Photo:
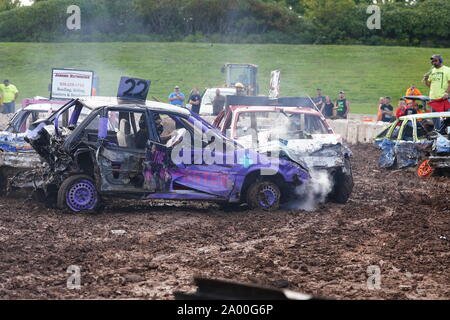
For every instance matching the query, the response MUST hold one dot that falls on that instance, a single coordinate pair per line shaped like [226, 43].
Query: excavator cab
[242, 73]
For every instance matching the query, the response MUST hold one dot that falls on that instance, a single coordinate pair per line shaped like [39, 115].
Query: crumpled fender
[387, 156]
[441, 145]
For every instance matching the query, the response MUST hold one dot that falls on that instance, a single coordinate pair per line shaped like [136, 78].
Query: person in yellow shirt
[9, 95]
[438, 80]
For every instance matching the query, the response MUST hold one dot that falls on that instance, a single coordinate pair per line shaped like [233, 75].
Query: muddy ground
[393, 220]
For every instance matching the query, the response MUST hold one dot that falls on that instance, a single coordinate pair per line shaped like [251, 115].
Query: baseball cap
[341, 92]
[434, 56]
[177, 87]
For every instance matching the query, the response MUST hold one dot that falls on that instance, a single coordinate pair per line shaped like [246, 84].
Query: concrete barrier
[357, 131]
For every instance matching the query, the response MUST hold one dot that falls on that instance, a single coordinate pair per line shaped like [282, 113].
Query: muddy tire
[263, 195]
[78, 193]
[343, 184]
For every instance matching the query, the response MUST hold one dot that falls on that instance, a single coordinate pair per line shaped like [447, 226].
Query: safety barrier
[357, 131]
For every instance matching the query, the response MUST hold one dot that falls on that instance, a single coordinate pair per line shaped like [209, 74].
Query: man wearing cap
[240, 89]
[9, 95]
[342, 106]
[176, 98]
[438, 80]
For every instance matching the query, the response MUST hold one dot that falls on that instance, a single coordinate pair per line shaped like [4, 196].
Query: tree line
[403, 22]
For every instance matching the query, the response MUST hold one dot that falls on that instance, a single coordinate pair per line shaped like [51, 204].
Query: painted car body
[290, 126]
[15, 153]
[319, 148]
[117, 167]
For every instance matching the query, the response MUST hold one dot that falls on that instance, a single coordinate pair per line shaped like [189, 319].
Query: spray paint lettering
[73, 22]
[206, 178]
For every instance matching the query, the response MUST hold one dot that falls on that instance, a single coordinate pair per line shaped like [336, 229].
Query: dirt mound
[393, 220]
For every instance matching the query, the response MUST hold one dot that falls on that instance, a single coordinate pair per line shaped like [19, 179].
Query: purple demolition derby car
[150, 150]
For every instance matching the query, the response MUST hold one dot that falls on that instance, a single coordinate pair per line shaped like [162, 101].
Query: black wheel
[263, 195]
[78, 193]
[49, 198]
[343, 183]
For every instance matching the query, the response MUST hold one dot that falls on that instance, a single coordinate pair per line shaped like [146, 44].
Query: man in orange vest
[412, 91]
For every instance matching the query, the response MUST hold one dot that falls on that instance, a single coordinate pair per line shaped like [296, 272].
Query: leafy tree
[8, 4]
[330, 17]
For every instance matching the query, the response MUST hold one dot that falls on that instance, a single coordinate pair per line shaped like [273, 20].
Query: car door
[122, 153]
[207, 169]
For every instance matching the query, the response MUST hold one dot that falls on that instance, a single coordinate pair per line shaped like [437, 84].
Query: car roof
[276, 108]
[97, 102]
[423, 98]
[425, 115]
[222, 89]
[42, 107]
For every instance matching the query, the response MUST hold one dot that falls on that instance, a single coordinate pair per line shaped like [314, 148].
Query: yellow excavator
[243, 73]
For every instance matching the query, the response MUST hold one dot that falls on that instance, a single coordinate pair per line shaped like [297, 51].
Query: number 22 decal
[130, 90]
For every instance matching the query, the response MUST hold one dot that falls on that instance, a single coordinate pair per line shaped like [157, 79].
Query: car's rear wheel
[343, 184]
[263, 195]
[78, 193]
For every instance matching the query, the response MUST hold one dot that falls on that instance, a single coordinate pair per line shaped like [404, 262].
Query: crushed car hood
[322, 151]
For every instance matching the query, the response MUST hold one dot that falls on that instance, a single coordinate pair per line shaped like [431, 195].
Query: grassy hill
[364, 73]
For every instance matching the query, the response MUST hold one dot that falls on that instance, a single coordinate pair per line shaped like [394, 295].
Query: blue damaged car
[413, 140]
[151, 150]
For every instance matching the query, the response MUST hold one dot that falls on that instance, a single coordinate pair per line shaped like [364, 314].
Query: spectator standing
[218, 102]
[9, 95]
[177, 97]
[319, 99]
[327, 109]
[438, 80]
[195, 100]
[412, 91]
[386, 110]
[342, 106]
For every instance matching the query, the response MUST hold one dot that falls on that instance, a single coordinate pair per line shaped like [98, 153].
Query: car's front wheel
[263, 195]
[78, 193]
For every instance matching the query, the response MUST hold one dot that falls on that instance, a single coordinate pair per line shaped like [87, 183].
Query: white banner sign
[69, 83]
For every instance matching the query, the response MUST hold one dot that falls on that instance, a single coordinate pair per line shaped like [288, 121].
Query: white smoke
[311, 194]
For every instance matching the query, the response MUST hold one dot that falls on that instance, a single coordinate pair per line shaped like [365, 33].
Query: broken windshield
[286, 124]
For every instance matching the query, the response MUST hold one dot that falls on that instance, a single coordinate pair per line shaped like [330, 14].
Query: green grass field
[364, 73]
